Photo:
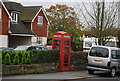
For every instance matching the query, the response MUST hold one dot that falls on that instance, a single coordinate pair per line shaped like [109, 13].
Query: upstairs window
[40, 20]
[14, 17]
[0, 13]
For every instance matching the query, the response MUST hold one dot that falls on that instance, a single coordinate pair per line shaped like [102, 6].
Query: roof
[20, 29]
[106, 47]
[28, 13]
[13, 6]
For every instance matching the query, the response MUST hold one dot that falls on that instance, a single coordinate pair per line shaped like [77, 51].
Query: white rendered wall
[44, 41]
[3, 41]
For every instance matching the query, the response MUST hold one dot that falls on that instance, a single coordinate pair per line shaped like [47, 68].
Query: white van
[103, 58]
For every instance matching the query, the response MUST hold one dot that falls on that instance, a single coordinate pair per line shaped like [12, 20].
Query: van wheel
[90, 71]
[113, 72]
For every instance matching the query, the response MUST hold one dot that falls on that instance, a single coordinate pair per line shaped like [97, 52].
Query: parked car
[6, 48]
[49, 47]
[29, 47]
[104, 58]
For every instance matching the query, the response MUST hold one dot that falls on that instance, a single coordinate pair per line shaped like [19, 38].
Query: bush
[44, 56]
[38, 71]
[28, 59]
[0, 57]
[78, 58]
[38, 56]
[7, 60]
[24, 57]
[16, 59]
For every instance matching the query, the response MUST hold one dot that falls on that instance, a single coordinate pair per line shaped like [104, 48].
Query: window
[88, 44]
[115, 54]
[0, 13]
[39, 40]
[14, 17]
[31, 48]
[99, 52]
[40, 20]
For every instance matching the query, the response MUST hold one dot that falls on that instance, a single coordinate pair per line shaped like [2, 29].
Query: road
[102, 77]
[63, 76]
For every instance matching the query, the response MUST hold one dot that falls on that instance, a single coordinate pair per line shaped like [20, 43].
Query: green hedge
[13, 56]
[26, 57]
[78, 58]
[39, 56]
[44, 56]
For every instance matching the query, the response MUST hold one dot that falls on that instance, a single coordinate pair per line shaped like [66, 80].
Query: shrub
[28, 59]
[19, 52]
[7, 60]
[38, 71]
[0, 58]
[16, 59]
[44, 56]
[78, 58]
[24, 57]
[34, 56]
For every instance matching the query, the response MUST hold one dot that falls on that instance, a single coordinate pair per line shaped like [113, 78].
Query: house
[22, 25]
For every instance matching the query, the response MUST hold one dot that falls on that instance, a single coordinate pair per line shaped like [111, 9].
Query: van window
[99, 52]
[115, 54]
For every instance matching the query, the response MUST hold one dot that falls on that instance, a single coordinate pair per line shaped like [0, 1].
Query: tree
[100, 18]
[63, 18]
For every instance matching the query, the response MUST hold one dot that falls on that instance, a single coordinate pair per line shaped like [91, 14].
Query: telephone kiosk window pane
[66, 61]
[57, 41]
[56, 44]
[66, 41]
[65, 64]
[56, 48]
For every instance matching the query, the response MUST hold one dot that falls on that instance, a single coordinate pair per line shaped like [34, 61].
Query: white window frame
[0, 13]
[40, 20]
[14, 17]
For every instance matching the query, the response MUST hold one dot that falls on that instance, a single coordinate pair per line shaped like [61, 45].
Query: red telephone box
[61, 41]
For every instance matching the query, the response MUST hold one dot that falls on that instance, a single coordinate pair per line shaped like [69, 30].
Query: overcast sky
[48, 3]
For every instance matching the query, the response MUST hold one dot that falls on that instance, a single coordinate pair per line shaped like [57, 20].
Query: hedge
[78, 58]
[26, 57]
[44, 56]
[40, 56]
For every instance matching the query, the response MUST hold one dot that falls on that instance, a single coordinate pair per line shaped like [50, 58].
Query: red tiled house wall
[4, 22]
[40, 30]
[0, 22]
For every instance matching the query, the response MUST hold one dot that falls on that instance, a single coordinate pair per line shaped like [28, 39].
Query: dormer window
[40, 20]
[14, 17]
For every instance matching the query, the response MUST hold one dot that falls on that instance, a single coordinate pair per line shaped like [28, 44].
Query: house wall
[3, 41]
[19, 40]
[34, 41]
[0, 21]
[40, 31]
[5, 23]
